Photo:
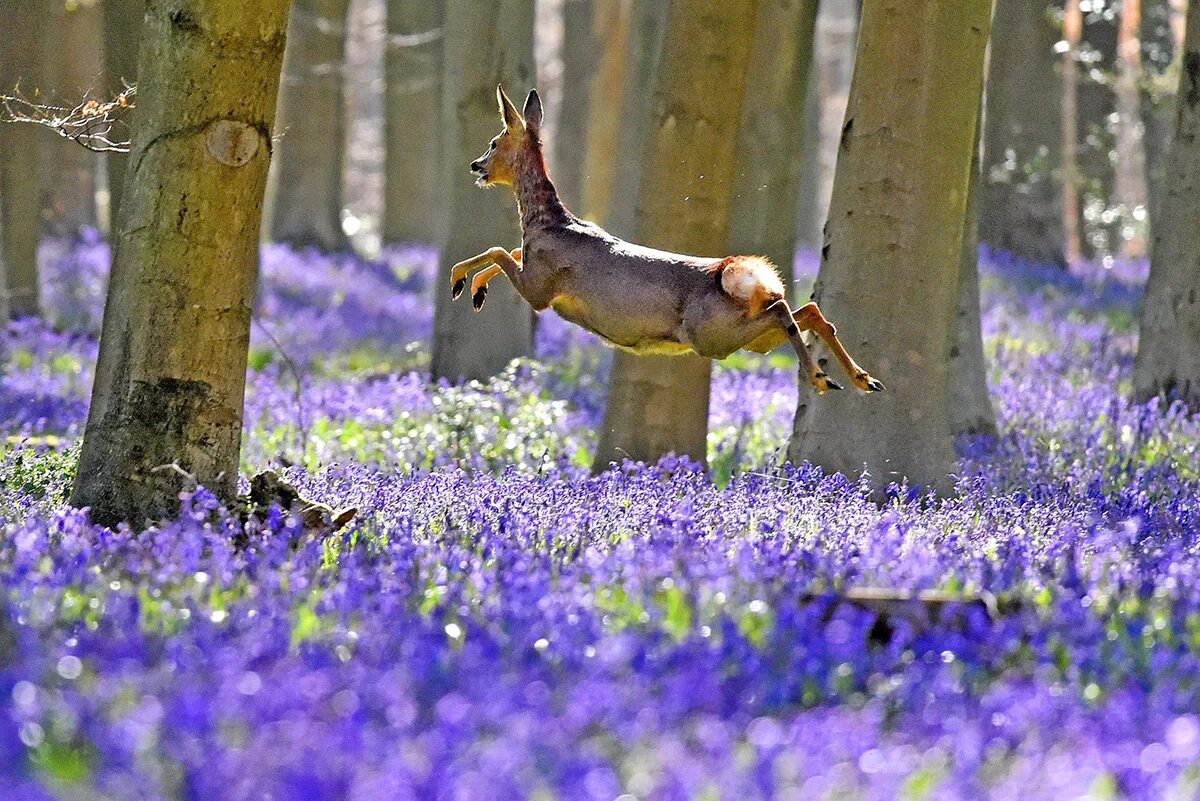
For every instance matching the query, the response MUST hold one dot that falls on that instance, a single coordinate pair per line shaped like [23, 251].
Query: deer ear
[512, 118]
[533, 111]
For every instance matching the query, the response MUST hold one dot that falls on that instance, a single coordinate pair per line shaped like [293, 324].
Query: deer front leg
[810, 318]
[458, 273]
[782, 314]
[479, 284]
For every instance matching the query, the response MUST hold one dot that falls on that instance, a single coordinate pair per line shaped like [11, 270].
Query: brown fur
[637, 298]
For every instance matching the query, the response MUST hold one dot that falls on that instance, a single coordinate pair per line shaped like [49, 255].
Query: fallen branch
[97, 126]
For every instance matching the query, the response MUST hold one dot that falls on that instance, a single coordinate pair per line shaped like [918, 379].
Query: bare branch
[97, 126]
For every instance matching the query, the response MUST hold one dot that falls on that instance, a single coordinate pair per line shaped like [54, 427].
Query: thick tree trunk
[20, 197]
[971, 413]
[1021, 195]
[659, 404]
[582, 39]
[893, 252]
[1168, 359]
[412, 121]
[647, 24]
[306, 183]
[172, 368]
[602, 152]
[489, 43]
[72, 54]
[1160, 39]
[122, 26]
[770, 153]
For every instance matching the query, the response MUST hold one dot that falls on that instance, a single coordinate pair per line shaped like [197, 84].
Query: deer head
[519, 140]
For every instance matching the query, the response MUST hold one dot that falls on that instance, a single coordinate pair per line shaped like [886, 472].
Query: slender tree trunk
[1096, 109]
[1129, 191]
[72, 55]
[647, 25]
[122, 26]
[1168, 359]
[1021, 196]
[971, 413]
[836, 30]
[412, 120]
[659, 404]
[582, 40]
[20, 199]
[770, 153]
[305, 199]
[172, 367]
[894, 242]
[489, 43]
[601, 152]
[1071, 177]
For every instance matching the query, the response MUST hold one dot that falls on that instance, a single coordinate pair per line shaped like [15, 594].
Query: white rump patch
[750, 275]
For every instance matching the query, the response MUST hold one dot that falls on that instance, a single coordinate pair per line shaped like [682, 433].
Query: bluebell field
[497, 624]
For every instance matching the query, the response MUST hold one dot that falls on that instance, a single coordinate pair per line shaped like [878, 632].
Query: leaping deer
[637, 298]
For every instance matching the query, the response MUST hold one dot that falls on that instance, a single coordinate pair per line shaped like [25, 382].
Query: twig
[90, 123]
[294, 369]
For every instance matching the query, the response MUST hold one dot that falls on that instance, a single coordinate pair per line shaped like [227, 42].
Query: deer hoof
[875, 385]
[822, 383]
[479, 297]
[458, 288]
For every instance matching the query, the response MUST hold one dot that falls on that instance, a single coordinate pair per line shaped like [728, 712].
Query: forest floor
[498, 624]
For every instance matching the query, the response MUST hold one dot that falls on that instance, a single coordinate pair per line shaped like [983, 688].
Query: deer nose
[477, 166]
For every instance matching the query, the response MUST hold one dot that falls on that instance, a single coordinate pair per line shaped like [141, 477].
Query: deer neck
[537, 199]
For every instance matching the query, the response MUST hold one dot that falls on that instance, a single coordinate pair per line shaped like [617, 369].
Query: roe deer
[637, 298]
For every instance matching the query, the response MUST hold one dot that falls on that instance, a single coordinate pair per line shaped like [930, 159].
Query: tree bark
[122, 25]
[647, 25]
[20, 197]
[1160, 37]
[412, 120]
[770, 153]
[971, 413]
[659, 404]
[305, 198]
[894, 241]
[1129, 185]
[582, 39]
[171, 374]
[72, 55]
[1021, 196]
[489, 43]
[609, 83]
[1168, 358]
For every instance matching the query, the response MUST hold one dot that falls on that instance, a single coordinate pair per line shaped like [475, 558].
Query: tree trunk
[171, 373]
[836, 30]
[122, 26]
[659, 404]
[1160, 38]
[72, 55]
[609, 83]
[1071, 176]
[647, 24]
[412, 120]
[1168, 359]
[1021, 196]
[1129, 189]
[1096, 106]
[894, 241]
[489, 43]
[770, 153]
[971, 413]
[305, 200]
[582, 39]
[20, 197]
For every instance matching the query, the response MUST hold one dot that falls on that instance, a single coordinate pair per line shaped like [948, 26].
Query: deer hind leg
[496, 255]
[782, 314]
[810, 318]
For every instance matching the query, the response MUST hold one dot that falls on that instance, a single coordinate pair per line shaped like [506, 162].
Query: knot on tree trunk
[231, 142]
